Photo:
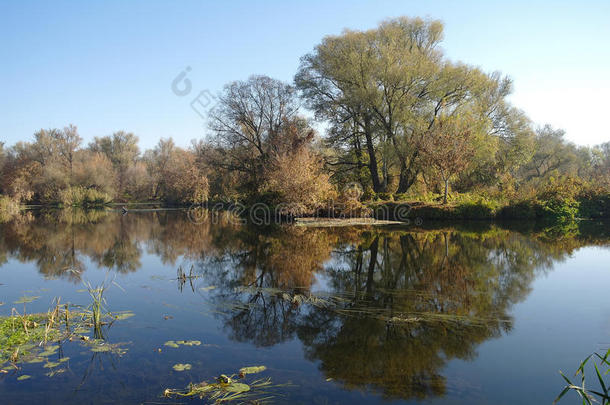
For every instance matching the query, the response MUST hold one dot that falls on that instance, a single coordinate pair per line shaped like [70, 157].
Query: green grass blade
[565, 390]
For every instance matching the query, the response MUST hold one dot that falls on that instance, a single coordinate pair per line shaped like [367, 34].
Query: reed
[590, 396]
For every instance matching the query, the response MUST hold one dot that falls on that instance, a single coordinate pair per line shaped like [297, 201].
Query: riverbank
[383, 212]
[484, 209]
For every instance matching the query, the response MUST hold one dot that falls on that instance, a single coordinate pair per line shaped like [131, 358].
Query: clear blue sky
[109, 65]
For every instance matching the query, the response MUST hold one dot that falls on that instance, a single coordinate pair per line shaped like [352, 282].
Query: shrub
[83, 197]
[8, 208]
[298, 180]
[481, 209]
[594, 204]
[560, 209]
[525, 209]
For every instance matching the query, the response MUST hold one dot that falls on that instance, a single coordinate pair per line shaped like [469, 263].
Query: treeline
[57, 169]
[399, 117]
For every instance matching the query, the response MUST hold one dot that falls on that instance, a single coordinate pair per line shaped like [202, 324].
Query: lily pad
[123, 315]
[182, 367]
[237, 387]
[24, 377]
[189, 342]
[251, 370]
[101, 348]
[26, 299]
[49, 351]
[176, 343]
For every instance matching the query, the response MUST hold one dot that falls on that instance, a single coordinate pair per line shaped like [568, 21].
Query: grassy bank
[554, 209]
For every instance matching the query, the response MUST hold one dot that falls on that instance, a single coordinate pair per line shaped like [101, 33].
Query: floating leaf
[51, 364]
[49, 351]
[237, 387]
[36, 360]
[252, 370]
[189, 342]
[54, 372]
[26, 299]
[176, 343]
[123, 315]
[181, 367]
[24, 377]
[101, 348]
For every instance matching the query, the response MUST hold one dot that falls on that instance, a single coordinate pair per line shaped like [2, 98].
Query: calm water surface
[445, 315]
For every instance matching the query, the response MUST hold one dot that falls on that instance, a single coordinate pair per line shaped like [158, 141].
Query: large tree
[255, 125]
[381, 91]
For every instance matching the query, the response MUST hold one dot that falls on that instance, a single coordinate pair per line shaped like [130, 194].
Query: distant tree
[175, 175]
[121, 149]
[449, 147]
[68, 142]
[138, 183]
[94, 170]
[248, 125]
[551, 155]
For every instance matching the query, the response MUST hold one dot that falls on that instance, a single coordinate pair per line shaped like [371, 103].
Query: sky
[109, 65]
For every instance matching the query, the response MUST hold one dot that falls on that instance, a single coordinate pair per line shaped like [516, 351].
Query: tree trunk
[446, 191]
[378, 187]
[406, 179]
[358, 151]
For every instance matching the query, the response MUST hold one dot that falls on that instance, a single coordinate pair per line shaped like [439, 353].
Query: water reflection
[377, 309]
[410, 301]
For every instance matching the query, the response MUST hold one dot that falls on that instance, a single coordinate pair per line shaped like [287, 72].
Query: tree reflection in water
[407, 302]
[390, 308]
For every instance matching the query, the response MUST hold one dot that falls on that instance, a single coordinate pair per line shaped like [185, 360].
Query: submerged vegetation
[35, 338]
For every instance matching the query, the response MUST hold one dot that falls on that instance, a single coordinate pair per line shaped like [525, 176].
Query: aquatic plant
[228, 388]
[25, 338]
[590, 396]
[176, 343]
[182, 277]
[97, 311]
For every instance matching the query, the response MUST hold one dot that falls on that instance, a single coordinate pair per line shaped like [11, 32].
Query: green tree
[382, 91]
